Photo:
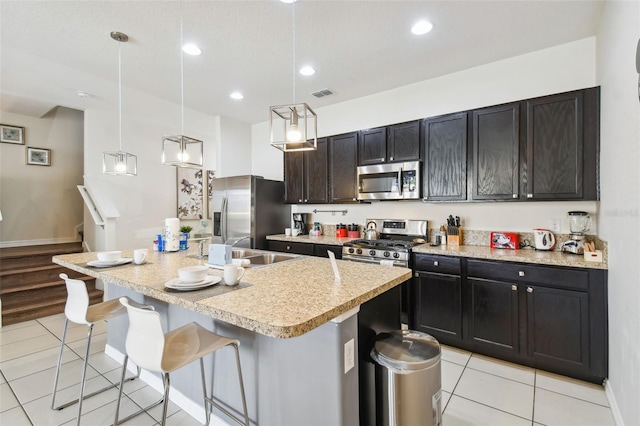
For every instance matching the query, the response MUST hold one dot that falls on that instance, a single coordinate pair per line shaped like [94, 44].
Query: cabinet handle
[435, 263]
[288, 247]
[514, 196]
[529, 290]
[521, 273]
[305, 200]
[416, 275]
[514, 287]
[355, 199]
[299, 201]
[382, 160]
[529, 195]
[390, 158]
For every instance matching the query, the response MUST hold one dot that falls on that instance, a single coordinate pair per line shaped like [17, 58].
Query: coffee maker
[300, 221]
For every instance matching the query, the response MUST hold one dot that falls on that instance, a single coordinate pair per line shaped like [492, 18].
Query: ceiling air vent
[322, 93]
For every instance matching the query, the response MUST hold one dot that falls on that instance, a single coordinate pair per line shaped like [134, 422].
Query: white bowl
[109, 256]
[193, 274]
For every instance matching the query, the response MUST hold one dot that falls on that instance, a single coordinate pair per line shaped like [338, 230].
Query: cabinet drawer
[287, 247]
[516, 272]
[320, 250]
[434, 263]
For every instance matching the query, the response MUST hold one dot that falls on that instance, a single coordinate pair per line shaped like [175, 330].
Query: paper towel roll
[172, 234]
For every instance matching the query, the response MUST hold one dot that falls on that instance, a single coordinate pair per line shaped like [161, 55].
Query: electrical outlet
[556, 224]
[349, 356]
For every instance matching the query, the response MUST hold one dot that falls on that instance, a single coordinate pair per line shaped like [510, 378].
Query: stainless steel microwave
[395, 181]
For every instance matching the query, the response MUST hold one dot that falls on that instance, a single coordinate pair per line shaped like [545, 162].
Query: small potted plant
[186, 229]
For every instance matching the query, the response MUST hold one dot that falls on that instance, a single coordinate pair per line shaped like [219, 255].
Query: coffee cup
[140, 256]
[287, 232]
[295, 232]
[233, 274]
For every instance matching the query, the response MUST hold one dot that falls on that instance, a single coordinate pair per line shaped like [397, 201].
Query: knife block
[454, 239]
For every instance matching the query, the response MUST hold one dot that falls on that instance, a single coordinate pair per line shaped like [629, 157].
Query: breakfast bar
[299, 330]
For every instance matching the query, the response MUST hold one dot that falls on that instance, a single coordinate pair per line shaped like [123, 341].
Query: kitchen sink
[259, 258]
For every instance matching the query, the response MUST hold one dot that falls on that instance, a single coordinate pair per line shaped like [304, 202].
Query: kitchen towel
[172, 234]
[385, 262]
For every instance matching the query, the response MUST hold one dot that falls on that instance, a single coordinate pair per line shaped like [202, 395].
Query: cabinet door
[404, 142]
[316, 173]
[494, 316]
[293, 177]
[320, 250]
[343, 160]
[372, 146]
[496, 152]
[445, 158]
[555, 147]
[439, 306]
[558, 328]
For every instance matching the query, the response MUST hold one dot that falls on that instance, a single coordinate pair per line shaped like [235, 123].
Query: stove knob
[359, 251]
[387, 254]
[372, 252]
[351, 250]
[396, 255]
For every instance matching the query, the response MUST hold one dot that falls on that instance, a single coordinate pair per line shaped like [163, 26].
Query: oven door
[398, 181]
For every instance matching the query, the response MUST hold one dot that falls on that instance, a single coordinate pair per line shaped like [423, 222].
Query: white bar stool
[78, 310]
[150, 348]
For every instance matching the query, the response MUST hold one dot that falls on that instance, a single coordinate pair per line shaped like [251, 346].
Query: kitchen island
[298, 331]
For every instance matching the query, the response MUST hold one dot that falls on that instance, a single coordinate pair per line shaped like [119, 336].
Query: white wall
[145, 200]
[618, 36]
[561, 68]
[41, 204]
[234, 153]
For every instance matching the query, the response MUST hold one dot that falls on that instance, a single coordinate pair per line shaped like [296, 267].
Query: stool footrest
[225, 411]
[94, 393]
[142, 410]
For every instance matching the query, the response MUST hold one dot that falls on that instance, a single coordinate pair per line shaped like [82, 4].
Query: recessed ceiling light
[236, 95]
[307, 70]
[288, 1]
[191, 49]
[421, 27]
[83, 94]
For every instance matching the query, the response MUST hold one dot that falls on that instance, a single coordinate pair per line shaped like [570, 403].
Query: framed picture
[38, 156]
[11, 134]
[190, 185]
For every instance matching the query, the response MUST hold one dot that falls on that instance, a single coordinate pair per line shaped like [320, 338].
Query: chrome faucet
[201, 252]
[236, 240]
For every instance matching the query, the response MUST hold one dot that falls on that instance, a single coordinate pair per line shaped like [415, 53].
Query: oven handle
[372, 261]
[400, 181]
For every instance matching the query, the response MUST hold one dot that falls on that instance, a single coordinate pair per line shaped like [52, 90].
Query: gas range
[396, 239]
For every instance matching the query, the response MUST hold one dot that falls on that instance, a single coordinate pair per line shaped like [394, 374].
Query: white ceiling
[50, 49]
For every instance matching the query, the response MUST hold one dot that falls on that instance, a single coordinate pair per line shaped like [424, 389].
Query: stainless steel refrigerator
[245, 209]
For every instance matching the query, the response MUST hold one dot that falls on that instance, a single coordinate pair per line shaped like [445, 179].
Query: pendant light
[120, 162]
[293, 127]
[180, 150]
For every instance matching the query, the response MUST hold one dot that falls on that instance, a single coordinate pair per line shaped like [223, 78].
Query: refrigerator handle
[223, 220]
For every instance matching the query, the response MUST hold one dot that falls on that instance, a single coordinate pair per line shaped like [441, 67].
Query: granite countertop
[555, 258]
[312, 239]
[281, 300]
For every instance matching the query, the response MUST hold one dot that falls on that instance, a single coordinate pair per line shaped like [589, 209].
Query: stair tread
[12, 308]
[30, 269]
[41, 285]
[53, 249]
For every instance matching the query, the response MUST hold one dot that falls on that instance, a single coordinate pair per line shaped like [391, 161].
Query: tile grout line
[17, 400]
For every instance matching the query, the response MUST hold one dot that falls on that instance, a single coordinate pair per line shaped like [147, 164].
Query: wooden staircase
[30, 285]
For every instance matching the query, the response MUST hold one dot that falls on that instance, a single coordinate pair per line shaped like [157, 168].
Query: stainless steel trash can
[408, 379]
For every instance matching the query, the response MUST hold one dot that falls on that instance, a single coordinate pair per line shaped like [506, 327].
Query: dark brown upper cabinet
[495, 160]
[562, 142]
[391, 144]
[343, 162]
[305, 175]
[403, 141]
[372, 146]
[445, 158]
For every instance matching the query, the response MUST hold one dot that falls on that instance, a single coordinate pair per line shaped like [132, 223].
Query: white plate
[177, 284]
[109, 263]
[210, 265]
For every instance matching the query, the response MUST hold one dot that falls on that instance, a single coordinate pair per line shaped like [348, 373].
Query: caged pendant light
[119, 163]
[180, 150]
[293, 127]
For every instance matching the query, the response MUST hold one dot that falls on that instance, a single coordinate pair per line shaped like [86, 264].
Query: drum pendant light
[293, 127]
[180, 150]
[120, 162]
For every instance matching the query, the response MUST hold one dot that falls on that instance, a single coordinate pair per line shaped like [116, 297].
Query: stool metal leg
[55, 380]
[207, 407]
[117, 421]
[218, 406]
[84, 372]
[165, 406]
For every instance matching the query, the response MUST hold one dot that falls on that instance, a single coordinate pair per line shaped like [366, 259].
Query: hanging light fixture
[120, 162]
[293, 127]
[180, 150]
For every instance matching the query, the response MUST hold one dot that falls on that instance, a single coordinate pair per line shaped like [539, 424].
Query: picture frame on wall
[38, 156]
[190, 191]
[11, 134]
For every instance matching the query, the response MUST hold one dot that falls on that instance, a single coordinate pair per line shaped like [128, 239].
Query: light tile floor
[477, 390]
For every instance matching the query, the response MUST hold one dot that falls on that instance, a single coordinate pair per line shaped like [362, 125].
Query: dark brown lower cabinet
[548, 317]
[309, 249]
